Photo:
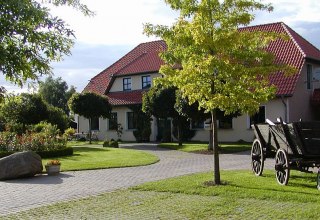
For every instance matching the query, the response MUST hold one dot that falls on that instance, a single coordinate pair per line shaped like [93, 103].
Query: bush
[68, 151]
[46, 154]
[69, 133]
[111, 143]
[5, 153]
[58, 117]
[46, 140]
[82, 139]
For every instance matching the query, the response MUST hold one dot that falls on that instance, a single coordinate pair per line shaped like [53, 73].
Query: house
[124, 82]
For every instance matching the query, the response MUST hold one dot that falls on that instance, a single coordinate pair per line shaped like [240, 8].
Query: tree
[219, 66]
[56, 92]
[25, 109]
[166, 103]
[57, 116]
[31, 38]
[90, 105]
[29, 109]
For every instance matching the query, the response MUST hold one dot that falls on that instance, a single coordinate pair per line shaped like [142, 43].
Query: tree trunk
[179, 134]
[90, 130]
[210, 145]
[215, 148]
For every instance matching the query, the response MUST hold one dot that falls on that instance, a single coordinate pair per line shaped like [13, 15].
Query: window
[113, 121]
[259, 117]
[197, 124]
[131, 120]
[309, 76]
[95, 124]
[225, 122]
[146, 82]
[126, 84]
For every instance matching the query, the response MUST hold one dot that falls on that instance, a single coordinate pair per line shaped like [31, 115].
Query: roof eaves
[136, 73]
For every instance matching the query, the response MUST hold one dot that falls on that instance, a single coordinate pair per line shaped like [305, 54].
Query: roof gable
[143, 53]
[291, 52]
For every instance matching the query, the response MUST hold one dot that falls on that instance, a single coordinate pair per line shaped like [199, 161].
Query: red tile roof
[102, 82]
[292, 52]
[125, 98]
[144, 58]
[147, 62]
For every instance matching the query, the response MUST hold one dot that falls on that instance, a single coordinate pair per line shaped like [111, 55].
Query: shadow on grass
[89, 149]
[295, 181]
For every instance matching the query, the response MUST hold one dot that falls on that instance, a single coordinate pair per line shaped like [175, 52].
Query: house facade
[125, 81]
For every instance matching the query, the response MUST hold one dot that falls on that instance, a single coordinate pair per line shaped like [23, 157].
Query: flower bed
[47, 143]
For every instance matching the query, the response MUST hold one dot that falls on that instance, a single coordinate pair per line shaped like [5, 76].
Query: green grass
[90, 157]
[244, 196]
[194, 147]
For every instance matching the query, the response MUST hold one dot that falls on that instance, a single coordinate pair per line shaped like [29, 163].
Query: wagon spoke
[257, 158]
[282, 167]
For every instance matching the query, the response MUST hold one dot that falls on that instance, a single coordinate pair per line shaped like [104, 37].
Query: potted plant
[53, 167]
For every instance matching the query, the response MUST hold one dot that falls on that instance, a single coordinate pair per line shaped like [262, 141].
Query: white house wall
[104, 132]
[241, 125]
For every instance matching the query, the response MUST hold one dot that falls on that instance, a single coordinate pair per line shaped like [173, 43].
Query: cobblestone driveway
[22, 194]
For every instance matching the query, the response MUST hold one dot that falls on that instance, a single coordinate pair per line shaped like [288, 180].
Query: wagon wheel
[318, 180]
[282, 167]
[257, 158]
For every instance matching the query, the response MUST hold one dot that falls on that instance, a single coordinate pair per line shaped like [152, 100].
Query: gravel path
[23, 194]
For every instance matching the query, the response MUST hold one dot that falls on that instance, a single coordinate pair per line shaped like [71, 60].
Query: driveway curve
[23, 194]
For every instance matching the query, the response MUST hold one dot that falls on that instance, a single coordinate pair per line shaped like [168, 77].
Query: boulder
[22, 164]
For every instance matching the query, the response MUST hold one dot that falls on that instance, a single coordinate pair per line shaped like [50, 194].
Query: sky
[117, 28]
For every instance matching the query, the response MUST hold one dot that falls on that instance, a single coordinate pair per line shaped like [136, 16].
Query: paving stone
[23, 194]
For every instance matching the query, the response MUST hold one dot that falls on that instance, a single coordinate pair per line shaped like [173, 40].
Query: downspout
[285, 108]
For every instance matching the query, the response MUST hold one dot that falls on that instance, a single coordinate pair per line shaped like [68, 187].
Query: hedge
[45, 154]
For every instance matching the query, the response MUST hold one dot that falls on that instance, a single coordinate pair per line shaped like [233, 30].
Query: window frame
[127, 84]
[93, 129]
[146, 84]
[111, 120]
[265, 115]
[309, 76]
[225, 121]
[194, 124]
[134, 126]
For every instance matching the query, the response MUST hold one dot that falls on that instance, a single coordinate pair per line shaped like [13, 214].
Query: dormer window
[146, 82]
[126, 84]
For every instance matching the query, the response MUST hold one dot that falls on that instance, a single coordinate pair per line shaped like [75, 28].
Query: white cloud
[116, 22]
[292, 11]
[118, 26]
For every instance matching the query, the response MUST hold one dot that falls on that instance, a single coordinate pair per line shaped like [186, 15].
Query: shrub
[46, 140]
[58, 117]
[5, 153]
[68, 151]
[111, 143]
[69, 133]
[82, 139]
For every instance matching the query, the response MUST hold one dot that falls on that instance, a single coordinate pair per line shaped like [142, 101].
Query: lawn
[195, 147]
[244, 196]
[81, 143]
[88, 157]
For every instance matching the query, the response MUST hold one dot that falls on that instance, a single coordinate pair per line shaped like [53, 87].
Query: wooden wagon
[295, 146]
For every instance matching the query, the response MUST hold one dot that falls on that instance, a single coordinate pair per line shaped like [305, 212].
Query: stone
[22, 164]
